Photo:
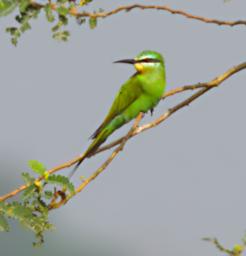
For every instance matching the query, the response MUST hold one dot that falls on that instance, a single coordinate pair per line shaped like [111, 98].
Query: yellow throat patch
[139, 67]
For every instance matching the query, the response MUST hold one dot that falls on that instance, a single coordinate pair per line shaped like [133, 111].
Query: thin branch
[128, 8]
[165, 8]
[202, 89]
[218, 245]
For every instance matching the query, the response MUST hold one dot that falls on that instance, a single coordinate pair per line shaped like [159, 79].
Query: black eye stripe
[148, 60]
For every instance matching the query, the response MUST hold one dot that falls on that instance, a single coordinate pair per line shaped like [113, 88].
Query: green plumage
[140, 93]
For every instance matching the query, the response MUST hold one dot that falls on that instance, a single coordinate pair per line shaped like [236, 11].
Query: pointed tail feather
[102, 136]
[76, 166]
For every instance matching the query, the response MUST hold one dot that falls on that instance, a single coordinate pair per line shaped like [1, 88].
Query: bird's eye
[149, 60]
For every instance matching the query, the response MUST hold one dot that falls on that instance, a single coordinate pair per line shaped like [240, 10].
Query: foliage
[237, 250]
[7, 6]
[32, 210]
[58, 13]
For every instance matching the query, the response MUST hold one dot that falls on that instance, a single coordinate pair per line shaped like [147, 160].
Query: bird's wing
[128, 93]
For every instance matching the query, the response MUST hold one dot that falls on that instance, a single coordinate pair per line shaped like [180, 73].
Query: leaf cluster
[58, 13]
[32, 210]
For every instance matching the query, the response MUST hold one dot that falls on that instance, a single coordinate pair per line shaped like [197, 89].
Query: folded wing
[128, 93]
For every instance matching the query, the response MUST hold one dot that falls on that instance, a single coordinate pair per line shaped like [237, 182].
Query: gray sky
[172, 185]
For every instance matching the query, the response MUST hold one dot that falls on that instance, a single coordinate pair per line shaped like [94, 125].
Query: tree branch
[202, 89]
[165, 8]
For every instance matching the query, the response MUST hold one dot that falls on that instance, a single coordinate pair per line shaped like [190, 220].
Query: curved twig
[128, 8]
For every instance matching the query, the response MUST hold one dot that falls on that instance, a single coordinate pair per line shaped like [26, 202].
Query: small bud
[53, 6]
[237, 249]
[46, 175]
[73, 11]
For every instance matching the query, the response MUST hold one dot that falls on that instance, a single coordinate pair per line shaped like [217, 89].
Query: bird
[140, 93]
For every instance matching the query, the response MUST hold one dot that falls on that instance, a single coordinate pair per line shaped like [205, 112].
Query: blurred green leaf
[62, 181]
[28, 179]
[25, 26]
[37, 167]
[61, 35]
[23, 4]
[49, 13]
[92, 23]
[48, 194]
[28, 192]
[62, 10]
[4, 226]
[7, 6]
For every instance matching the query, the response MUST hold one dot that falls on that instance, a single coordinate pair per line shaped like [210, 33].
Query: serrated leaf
[37, 167]
[61, 181]
[33, 216]
[21, 212]
[28, 192]
[4, 225]
[92, 23]
[28, 179]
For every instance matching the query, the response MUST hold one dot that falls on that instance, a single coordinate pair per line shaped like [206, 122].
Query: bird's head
[145, 61]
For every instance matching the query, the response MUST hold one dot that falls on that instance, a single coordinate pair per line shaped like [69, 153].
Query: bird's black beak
[128, 61]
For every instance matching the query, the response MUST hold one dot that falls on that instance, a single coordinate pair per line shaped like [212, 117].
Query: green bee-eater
[140, 93]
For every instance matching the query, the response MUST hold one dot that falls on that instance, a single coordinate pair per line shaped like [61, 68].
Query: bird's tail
[102, 136]
[77, 166]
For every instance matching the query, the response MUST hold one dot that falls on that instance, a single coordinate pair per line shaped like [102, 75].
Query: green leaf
[92, 23]
[23, 5]
[63, 20]
[14, 41]
[61, 35]
[37, 167]
[62, 1]
[84, 2]
[21, 212]
[7, 6]
[25, 26]
[33, 216]
[48, 194]
[56, 27]
[28, 179]
[61, 181]
[62, 10]
[28, 192]
[48, 12]
[11, 30]
[4, 226]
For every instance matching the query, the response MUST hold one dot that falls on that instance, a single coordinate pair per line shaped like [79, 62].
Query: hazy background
[172, 185]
